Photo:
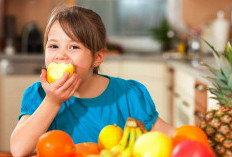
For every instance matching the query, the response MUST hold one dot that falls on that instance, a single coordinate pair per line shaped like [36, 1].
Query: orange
[56, 71]
[189, 132]
[87, 148]
[109, 136]
[55, 143]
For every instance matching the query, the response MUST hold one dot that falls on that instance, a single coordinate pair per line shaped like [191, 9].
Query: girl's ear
[99, 57]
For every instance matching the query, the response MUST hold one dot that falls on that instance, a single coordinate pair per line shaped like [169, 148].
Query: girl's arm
[163, 127]
[30, 128]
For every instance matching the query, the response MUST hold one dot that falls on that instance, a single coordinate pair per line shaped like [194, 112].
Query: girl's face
[60, 48]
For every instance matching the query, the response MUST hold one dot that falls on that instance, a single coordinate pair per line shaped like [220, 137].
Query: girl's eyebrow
[76, 41]
[54, 40]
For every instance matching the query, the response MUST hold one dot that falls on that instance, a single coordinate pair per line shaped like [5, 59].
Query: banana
[132, 131]
[128, 151]
[138, 132]
[132, 138]
[123, 142]
[106, 153]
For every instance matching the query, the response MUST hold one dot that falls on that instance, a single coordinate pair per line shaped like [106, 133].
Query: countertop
[23, 58]
[190, 66]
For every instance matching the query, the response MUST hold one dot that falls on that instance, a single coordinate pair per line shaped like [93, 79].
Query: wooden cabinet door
[200, 101]
[183, 98]
[170, 92]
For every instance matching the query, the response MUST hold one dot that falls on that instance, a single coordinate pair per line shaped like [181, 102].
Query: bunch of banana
[132, 131]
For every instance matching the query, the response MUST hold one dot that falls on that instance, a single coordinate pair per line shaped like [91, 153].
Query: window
[128, 17]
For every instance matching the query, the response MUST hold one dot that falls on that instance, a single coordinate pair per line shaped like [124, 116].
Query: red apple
[192, 148]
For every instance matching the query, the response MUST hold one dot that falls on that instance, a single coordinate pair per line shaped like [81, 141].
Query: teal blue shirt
[83, 118]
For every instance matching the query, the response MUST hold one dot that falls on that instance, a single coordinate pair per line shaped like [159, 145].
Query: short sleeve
[141, 104]
[32, 98]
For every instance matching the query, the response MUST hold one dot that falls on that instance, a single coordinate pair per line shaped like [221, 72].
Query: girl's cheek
[47, 61]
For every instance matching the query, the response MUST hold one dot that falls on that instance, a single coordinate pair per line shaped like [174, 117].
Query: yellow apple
[153, 144]
[56, 70]
[105, 138]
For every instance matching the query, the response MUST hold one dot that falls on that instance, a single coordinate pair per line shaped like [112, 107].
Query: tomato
[190, 148]
[87, 148]
[55, 143]
[191, 133]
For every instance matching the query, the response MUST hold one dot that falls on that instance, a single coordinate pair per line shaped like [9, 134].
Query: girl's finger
[71, 90]
[69, 82]
[43, 76]
[43, 79]
[59, 83]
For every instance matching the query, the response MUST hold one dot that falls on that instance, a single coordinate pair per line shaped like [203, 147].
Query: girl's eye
[74, 47]
[53, 46]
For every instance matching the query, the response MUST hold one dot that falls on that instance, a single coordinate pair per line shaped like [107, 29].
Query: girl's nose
[61, 55]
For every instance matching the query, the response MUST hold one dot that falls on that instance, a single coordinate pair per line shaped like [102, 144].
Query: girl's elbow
[17, 149]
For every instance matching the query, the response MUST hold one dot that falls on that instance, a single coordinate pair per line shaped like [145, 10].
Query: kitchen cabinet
[152, 74]
[191, 99]
[183, 98]
[200, 101]
[170, 93]
[12, 89]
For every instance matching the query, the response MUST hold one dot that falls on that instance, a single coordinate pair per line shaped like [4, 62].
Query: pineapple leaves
[230, 82]
[215, 53]
[216, 92]
[228, 53]
[223, 61]
[215, 98]
[222, 79]
[225, 66]
[218, 83]
[223, 96]
[214, 71]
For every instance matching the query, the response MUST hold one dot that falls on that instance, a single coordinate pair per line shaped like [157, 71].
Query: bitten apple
[56, 70]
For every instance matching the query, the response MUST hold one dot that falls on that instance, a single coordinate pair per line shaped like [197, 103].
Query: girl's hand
[60, 90]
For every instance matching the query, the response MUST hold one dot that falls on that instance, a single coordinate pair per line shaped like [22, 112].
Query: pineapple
[217, 124]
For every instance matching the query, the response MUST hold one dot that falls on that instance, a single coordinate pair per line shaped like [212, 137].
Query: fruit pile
[57, 143]
[134, 141]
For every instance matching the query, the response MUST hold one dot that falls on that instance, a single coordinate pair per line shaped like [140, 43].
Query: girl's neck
[92, 86]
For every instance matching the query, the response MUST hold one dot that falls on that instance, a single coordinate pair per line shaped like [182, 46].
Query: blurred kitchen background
[157, 42]
[133, 26]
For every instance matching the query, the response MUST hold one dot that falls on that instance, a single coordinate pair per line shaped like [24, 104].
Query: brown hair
[80, 24]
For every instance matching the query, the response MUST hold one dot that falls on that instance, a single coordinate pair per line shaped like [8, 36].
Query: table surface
[5, 154]
[8, 154]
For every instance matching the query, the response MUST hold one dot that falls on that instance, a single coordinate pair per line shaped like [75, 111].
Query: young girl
[86, 102]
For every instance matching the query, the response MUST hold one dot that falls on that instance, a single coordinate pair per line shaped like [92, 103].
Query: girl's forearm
[162, 126]
[25, 136]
